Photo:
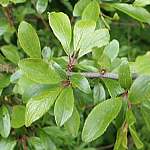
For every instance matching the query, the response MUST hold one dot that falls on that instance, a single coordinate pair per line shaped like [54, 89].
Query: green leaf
[47, 142]
[92, 11]
[142, 65]
[64, 106]
[4, 80]
[145, 110]
[138, 143]
[29, 40]
[121, 141]
[18, 116]
[47, 53]
[4, 122]
[80, 6]
[61, 27]
[73, 123]
[113, 87]
[4, 3]
[125, 78]
[137, 13]
[39, 71]
[99, 93]
[35, 90]
[140, 90]
[82, 29]
[80, 82]
[112, 49]
[99, 119]
[141, 3]
[130, 117]
[98, 39]
[22, 84]
[7, 144]
[11, 53]
[37, 106]
[36, 143]
[105, 62]
[41, 6]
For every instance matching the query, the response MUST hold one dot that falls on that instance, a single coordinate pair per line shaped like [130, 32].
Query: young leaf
[80, 82]
[92, 11]
[137, 13]
[18, 116]
[140, 90]
[82, 29]
[61, 27]
[73, 123]
[125, 78]
[37, 106]
[99, 93]
[105, 62]
[99, 119]
[112, 49]
[138, 143]
[64, 106]
[29, 40]
[4, 122]
[80, 6]
[11, 53]
[41, 6]
[39, 71]
[98, 38]
[113, 87]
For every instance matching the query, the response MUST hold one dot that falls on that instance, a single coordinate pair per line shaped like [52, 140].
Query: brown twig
[39, 16]
[24, 142]
[8, 13]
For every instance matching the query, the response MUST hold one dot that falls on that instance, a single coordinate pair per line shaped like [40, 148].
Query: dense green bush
[74, 75]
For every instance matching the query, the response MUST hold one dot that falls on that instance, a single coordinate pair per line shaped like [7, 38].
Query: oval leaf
[99, 119]
[18, 116]
[80, 82]
[99, 93]
[73, 123]
[11, 53]
[61, 27]
[80, 6]
[37, 106]
[112, 49]
[125, 78]
[29, 40]
[64, 106]
[41, 6]
[92, 11]
[39, 71]
[140, 90]
[4, 122]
